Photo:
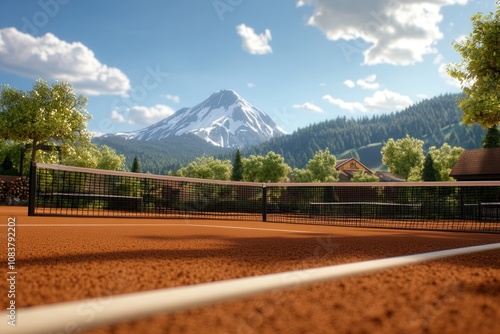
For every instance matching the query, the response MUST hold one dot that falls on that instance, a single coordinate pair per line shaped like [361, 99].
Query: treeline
[436, 121]
[164, 156]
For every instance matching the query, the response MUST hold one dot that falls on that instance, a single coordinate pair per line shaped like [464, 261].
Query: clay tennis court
[74, 259]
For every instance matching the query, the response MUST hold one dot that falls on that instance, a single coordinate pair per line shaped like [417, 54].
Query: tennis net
[74, 191]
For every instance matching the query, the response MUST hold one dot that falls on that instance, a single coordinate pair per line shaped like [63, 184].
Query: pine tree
[492, 138]
[136, 166]
[429, 173]
[237, 174]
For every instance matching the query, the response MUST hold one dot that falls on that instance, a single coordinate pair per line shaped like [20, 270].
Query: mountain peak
[224, 119]
[222, 98]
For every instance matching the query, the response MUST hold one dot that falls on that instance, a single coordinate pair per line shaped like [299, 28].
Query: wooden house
[349, 167]
[478, 165]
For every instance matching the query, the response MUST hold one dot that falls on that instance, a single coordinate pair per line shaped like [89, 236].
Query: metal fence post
[32, 189]
[264, 202]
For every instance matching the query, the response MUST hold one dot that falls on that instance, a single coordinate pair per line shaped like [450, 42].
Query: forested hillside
[160, 157]
[435, 121]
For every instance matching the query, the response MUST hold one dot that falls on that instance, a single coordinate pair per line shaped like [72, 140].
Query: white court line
[115, 309]
[180, 225]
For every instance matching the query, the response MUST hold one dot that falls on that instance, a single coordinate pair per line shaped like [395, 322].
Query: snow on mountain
[225, 119]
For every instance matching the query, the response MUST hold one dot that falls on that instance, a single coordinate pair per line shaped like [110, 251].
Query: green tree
[109, 159]
[88, 156]
[320, 168]
[402, 155]
[444, 159]
[252, 167]
[479, 71]
[429, 173]
[271, 168]
[206, 167]
[136, 166]
[302, 175]
[237, 173]
[46, 114]
[492, 138]
[361, 176]
[274, 168]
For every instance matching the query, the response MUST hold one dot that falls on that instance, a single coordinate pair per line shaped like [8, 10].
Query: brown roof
[388, 177]
[341, 162]
[478, 164]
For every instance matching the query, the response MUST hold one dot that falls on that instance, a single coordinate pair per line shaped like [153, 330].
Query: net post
[32, 189]
[264, 202]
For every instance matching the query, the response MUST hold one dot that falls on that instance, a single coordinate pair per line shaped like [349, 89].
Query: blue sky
[300, 61]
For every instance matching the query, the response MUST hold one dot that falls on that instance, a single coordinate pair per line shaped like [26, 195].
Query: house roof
[481, 162]
[341, 162]
[388, 177]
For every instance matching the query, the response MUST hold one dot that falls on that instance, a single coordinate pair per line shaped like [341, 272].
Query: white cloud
[349, 83]
[368, 82]
[173, 98]
[141, 115]
[50, 58]
[308, 106]
[398, 32]
[250, 85]
[386, 100]
[117, 117]
[253, 43]
[350, 106]
[380, 101]
[438, 60]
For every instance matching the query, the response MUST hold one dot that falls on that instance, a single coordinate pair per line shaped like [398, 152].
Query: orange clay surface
[63, 259]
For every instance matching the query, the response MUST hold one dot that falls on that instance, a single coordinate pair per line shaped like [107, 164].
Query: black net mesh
[71, 191]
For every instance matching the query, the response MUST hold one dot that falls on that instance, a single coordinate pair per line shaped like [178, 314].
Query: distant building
[478, 165]
[349, 167]
[388, 177]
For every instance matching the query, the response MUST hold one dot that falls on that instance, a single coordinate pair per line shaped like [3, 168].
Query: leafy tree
[320, 168]
[274, 168]
[302, 175]
[492, 138]
[402, 155]
[206, 167]
[237, 174]
[88, 156]
[429, 173]
[46, 114]
[415, 174]
[271, 168]
[479, 71]
[108, 159]
[136, 167]
[252, 167]
[444, 159]
[361, 176]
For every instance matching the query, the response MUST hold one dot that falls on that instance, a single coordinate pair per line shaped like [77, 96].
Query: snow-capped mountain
[225, 119]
